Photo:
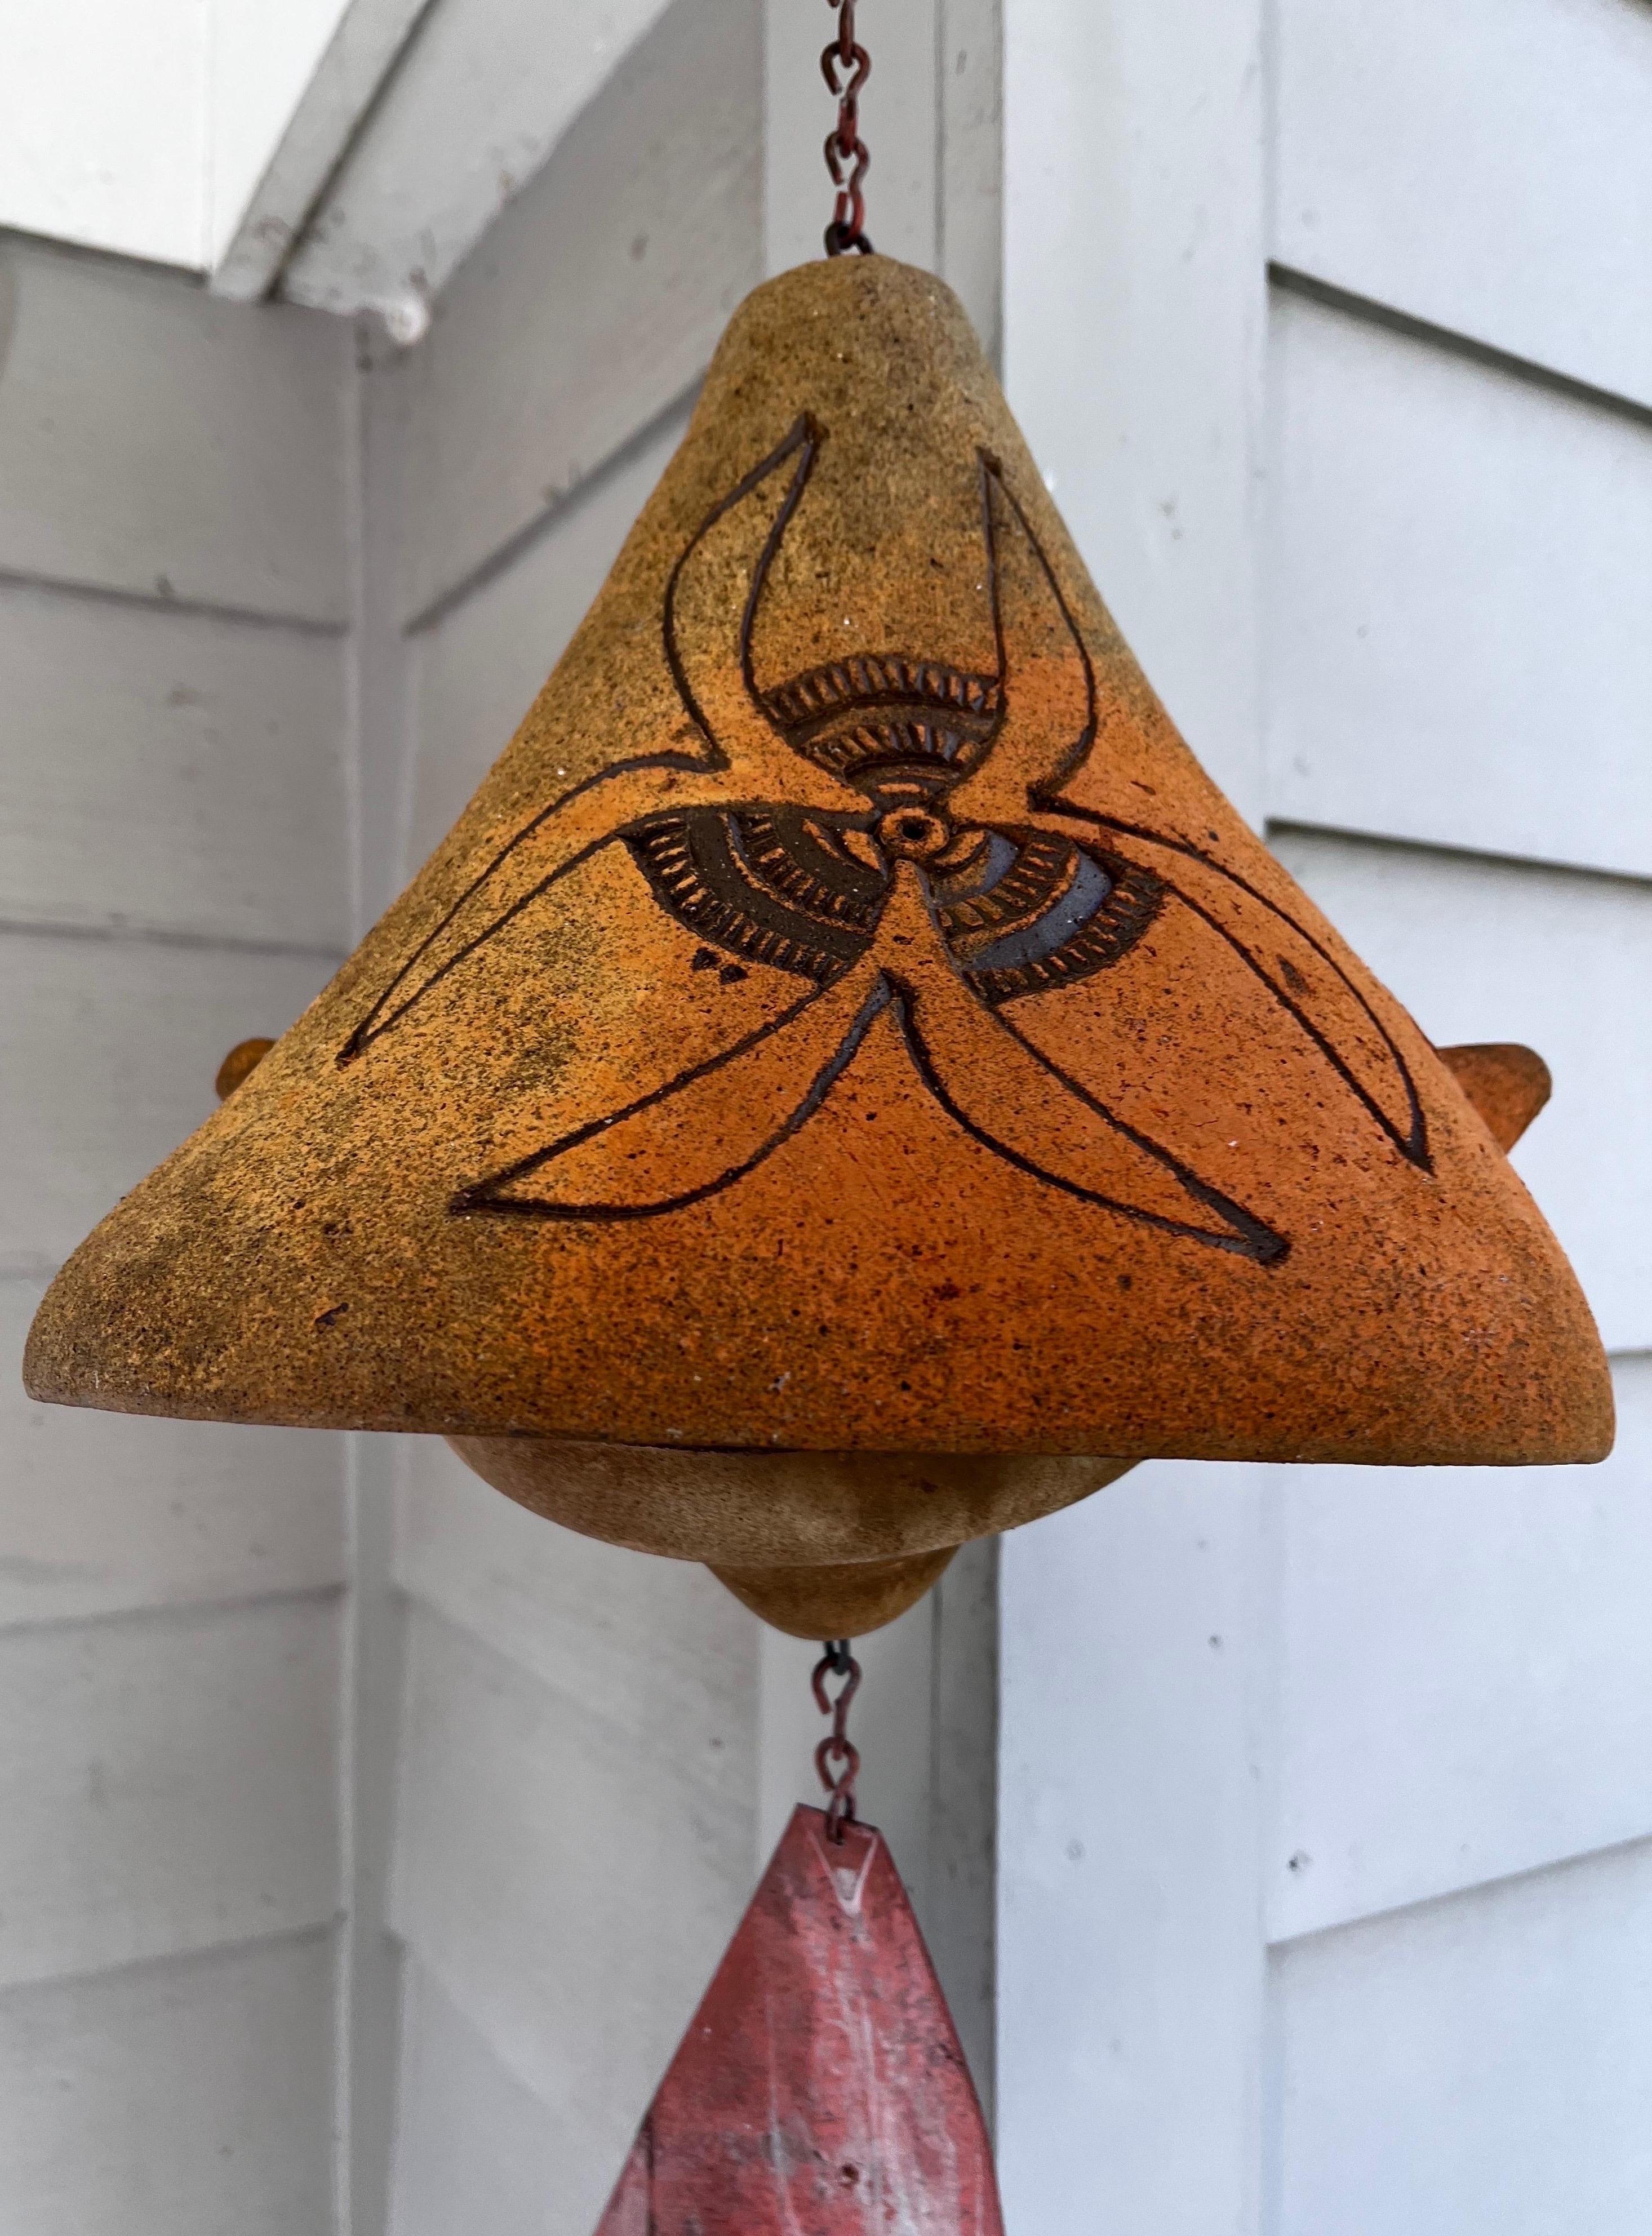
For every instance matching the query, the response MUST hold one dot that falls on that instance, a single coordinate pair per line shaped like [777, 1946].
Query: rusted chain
[836, 1758]
[845, 66]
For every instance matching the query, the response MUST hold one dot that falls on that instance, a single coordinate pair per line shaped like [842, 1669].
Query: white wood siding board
[1459, 647]
[370, 1959]
[593, 303]
[479, 97]
[168, 1784]
[107, 1052]
[656, 1649]
[1483, 163]
[385, 663]
[104, 1513]
[478, 669]
[233, 497]
[970, 159]
[1134, 330]
[961, 1915]
[476, 2149]
[185, 2099]
[1130, 1961]
[1488, 951]
[571, 1897]
[171, 771]
[1475, 2064]
[1466, 1687]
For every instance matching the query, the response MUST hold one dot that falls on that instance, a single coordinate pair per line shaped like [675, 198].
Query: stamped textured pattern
[847, 1018]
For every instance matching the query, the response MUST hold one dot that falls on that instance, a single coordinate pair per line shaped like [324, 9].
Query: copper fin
[1507, 1084]
[820, 2084]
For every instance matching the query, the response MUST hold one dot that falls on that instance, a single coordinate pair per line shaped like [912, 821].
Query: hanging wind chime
[849, 1084]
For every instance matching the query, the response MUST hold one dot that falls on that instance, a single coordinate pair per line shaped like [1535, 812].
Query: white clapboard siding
[185, 2099]
[171, 770]
[479, 668]
[925, 1720]
[104, 1513]
[475, 2150]
[1478, 2064]
[1486, 950]
[657, 1649]
[107, 1053]
[1461, 569]
[1129, 1967]
[1130, 1963]
[571, 1894]
[447, 130]
[1484, 164]
[235, 496]
[1465, 1673]
[167, 1783]
[1134, 297]
[594, 301]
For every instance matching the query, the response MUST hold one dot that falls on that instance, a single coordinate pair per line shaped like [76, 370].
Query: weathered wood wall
[1327, 1839]
[174, 594]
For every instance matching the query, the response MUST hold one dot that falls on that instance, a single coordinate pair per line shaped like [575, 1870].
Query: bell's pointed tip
[840, 1599]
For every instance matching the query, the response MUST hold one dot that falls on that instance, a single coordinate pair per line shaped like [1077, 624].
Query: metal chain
[836, 1758]
[845, 67]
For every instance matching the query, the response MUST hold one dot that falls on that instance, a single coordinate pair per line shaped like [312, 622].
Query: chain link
[845, 67]
[836, 1758]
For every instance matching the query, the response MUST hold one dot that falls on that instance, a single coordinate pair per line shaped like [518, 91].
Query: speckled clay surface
[847, 1018]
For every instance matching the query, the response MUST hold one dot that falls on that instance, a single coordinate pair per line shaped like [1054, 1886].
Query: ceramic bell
[850, 1082]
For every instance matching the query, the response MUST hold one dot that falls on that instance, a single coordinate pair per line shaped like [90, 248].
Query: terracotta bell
[850, 1082]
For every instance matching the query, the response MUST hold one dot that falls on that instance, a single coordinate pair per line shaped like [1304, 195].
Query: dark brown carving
[1017, 909]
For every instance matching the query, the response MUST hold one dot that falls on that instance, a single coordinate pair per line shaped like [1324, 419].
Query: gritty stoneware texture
[757, 1509]
[847, 1018]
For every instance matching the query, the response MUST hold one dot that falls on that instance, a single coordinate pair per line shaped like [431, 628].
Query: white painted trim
[358, 59]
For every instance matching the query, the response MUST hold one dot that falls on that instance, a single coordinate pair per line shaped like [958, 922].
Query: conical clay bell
[850, 1082]
[821, 2085]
